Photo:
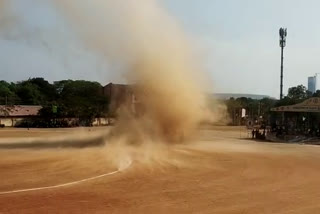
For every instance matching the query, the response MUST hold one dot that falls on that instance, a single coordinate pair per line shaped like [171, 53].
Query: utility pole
[283, 36]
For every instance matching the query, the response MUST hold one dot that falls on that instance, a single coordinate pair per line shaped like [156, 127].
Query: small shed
[311, 105]
[11, 115]
[301, 118]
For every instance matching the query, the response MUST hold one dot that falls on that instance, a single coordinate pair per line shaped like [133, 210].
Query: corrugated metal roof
[309, 105]
[19, 110]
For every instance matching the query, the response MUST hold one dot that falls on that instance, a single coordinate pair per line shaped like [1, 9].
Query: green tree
[233, 107]
[295, 95]
[47, 90]
[298, 92]
[8, 93]
[5, 89]
[316, 94]
[82, 99]
[29, 93]
[265, 106]
[5, 93]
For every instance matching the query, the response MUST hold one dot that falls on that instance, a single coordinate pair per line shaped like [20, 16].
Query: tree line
[260, 109]
[61, 99]
[85, 100]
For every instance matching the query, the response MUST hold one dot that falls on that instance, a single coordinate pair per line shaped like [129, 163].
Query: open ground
[218, 172]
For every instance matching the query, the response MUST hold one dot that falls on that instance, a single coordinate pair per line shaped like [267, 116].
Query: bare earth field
[218, 172]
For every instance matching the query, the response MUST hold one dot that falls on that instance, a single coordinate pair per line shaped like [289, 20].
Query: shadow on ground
[65, 143]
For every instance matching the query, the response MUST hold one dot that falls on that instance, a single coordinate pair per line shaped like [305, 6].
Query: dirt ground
[218, 172]
[34, 132]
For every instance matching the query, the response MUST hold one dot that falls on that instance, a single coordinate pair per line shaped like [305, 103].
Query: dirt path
[219, 174]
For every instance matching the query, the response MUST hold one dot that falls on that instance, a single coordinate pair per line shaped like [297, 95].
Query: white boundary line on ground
[66, 184]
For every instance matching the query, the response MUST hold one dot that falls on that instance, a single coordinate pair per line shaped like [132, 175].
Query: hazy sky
[237, 39]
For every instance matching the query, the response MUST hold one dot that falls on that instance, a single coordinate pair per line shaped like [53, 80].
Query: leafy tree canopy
[298, 92]
[81, 99]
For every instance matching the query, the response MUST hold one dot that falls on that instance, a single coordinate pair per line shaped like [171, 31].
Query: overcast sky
[238, 40]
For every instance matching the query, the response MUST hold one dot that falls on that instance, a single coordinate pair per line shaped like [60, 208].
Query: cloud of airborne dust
[3, 12]
[156, 56]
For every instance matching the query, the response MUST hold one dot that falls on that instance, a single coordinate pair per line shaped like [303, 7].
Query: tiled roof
[19, 110]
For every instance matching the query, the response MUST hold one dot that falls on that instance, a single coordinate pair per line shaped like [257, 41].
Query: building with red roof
[12, 115]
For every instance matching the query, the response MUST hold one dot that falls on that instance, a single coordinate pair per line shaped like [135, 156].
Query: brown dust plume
[155, 56]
